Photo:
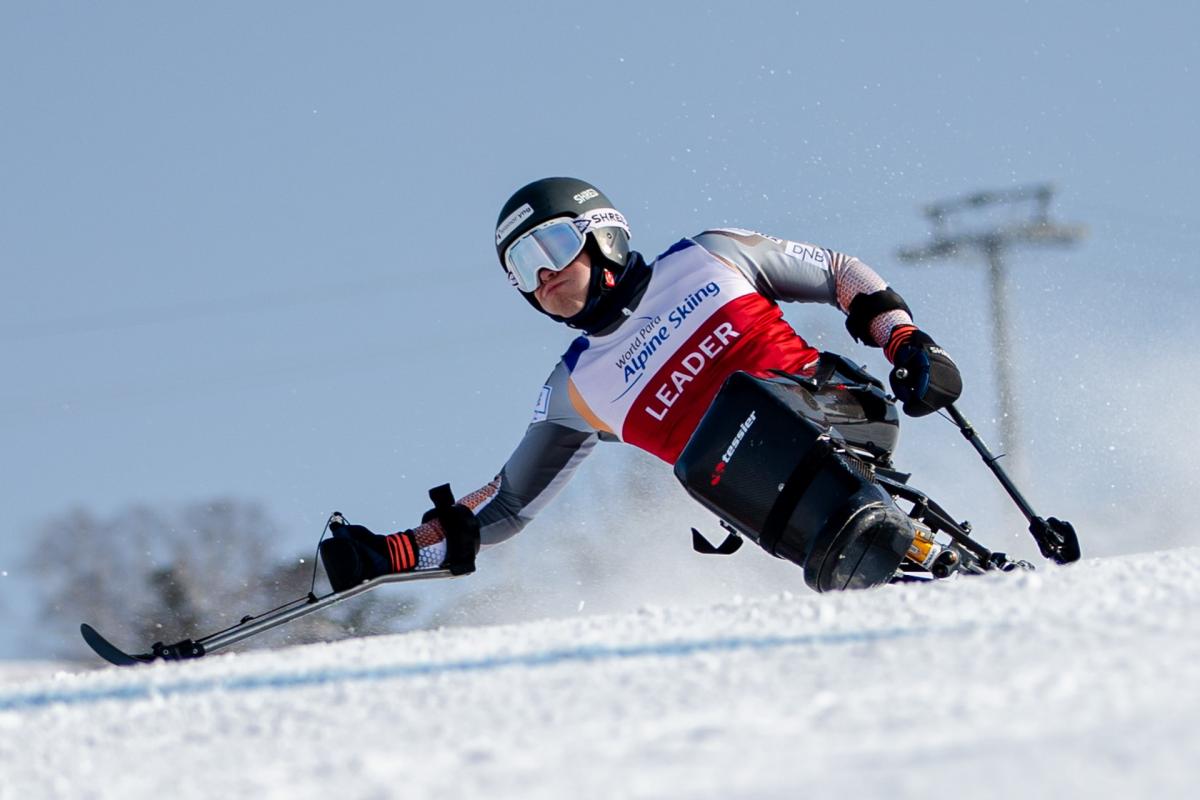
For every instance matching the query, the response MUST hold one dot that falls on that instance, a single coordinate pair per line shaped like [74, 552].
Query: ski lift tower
[1003, 228]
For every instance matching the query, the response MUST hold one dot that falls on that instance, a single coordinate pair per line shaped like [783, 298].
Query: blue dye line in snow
[24, 701]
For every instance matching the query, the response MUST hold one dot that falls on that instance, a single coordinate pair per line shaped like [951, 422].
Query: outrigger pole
[460, 561]
[1056, 538]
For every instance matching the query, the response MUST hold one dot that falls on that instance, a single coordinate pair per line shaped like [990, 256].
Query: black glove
[923, 377]
[355, 554]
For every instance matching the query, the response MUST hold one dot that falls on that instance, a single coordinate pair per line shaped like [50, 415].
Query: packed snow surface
[1081, 681]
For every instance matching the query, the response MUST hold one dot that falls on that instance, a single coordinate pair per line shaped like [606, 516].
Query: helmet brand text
[511, 222]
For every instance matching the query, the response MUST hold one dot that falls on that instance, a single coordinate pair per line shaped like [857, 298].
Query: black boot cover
[353, 555]
[762, 460]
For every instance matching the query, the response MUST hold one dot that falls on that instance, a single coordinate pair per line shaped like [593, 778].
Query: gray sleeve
[554, 444]
[800, 272]
[781, 270]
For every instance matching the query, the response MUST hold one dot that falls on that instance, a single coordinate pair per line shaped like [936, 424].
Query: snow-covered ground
[1068, 682]
[18, 671]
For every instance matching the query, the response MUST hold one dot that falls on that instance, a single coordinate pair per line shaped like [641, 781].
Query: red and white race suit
[710, 309]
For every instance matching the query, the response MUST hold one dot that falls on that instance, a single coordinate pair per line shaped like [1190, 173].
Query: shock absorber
[925, 551]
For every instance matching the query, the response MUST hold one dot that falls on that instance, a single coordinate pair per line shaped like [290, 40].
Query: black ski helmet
[554, 198]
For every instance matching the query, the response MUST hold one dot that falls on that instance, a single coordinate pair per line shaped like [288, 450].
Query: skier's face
[564, 293]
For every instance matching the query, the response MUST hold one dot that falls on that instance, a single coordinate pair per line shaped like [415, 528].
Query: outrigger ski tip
[107, 650]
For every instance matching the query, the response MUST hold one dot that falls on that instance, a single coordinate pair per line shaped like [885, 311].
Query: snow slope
[1080, 682]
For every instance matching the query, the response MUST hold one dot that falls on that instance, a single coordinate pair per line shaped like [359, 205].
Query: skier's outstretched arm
[554, 444]
[556, 441]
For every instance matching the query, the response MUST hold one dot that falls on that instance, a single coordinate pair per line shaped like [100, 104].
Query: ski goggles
[553, 245]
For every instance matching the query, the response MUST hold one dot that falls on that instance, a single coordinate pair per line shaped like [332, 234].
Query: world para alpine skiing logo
[653, 336]
[719, 470]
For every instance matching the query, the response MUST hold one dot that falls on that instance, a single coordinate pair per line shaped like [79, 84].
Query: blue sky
[246, 249]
